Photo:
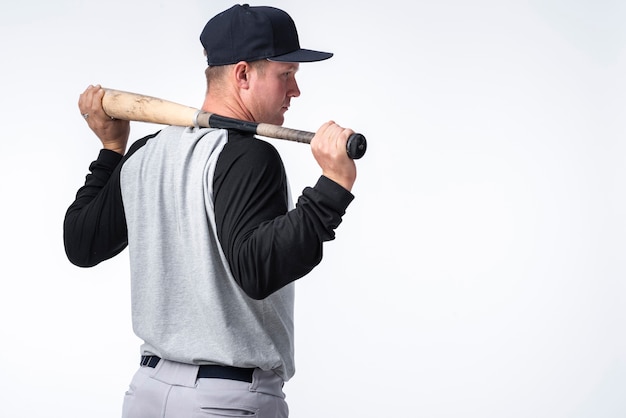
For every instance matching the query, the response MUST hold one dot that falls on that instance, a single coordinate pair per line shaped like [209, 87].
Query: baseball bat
[141, 108]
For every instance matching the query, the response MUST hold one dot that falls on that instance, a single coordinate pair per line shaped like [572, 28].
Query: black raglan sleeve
[266, 245]
[94, 228]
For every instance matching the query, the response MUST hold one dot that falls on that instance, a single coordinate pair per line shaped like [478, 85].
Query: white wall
[480, 270]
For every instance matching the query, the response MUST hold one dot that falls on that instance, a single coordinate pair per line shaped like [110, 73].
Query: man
[214, 241]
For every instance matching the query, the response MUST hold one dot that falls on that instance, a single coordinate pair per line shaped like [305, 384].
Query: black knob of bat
[356, 146]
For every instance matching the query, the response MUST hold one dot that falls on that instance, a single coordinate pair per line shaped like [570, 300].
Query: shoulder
[247, 149]
[249, 162]
[245, 142]
[138, 144]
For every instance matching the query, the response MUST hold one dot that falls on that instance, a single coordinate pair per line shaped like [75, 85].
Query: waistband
[209, 371]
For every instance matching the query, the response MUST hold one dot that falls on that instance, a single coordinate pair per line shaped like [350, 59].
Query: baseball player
[215, 243]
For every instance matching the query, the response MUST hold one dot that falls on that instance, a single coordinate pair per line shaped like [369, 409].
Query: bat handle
[356, 146]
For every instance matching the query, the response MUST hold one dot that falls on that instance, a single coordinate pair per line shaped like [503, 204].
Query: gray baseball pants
[172, 390]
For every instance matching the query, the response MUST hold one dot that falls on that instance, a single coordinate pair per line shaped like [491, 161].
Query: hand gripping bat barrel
[137, 107]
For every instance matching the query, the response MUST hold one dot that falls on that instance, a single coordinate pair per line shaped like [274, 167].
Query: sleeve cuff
[109, 158]
[340, 197]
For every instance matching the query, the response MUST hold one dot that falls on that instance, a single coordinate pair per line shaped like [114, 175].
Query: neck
[225, 104]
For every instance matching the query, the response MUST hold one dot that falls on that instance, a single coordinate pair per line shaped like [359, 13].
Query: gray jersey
[186, 306]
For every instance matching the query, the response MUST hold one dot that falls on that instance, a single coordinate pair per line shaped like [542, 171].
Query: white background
[480, 270]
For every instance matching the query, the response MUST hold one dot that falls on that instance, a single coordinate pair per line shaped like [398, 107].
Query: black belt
[210, 371]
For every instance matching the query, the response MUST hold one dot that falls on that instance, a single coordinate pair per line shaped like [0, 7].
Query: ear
[241, 72]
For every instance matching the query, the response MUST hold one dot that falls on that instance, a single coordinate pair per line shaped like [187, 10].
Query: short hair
[216, 73]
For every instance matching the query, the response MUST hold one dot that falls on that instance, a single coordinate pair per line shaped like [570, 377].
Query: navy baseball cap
[246, 33]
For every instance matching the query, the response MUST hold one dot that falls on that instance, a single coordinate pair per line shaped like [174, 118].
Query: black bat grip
[356, 146]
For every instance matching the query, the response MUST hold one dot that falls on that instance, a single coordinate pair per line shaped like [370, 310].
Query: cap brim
[302, 55]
